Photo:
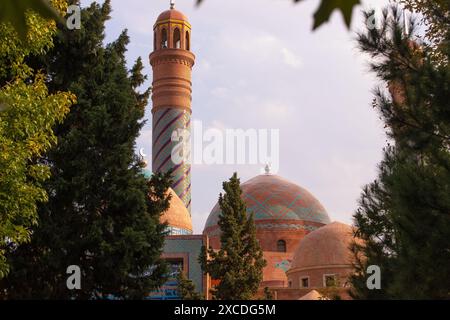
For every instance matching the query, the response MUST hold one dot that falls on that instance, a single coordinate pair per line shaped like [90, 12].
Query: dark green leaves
[2, 106]
[14, 11]
[403, 216]
[326, 8]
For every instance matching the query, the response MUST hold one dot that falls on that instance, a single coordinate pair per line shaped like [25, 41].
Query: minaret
[172, 63]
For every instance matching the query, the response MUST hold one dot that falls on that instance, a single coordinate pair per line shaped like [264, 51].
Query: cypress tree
[186, 288]
[404, 216]
[239, 263]
[103, 214]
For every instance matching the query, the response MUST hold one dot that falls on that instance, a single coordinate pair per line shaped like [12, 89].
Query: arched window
[188, 44]
[177, 39]
[164, 39]
[154, 41]
[281, 246]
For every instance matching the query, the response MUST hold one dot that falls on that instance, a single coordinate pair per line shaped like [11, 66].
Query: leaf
[14, 11]
[327, 7]
[3, 106]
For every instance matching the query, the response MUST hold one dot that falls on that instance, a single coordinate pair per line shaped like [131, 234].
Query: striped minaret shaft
[172, 64]
[165, 154]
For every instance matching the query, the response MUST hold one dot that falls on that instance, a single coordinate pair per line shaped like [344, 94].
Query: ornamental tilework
[271, 197]
[165, 123]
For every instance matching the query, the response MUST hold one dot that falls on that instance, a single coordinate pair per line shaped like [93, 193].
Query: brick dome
[323, 254]
[177, 216]
[326, 246]
[172, 14]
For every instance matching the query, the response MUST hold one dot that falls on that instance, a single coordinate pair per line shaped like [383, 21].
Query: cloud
[291, 59]
[217, 124]
[204, 65]
[247, 76]
[259, 47]
[198, 221]
[274, 110]
[220, 92]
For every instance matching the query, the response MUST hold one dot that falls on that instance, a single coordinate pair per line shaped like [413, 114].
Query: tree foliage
[404, 216]
[103, 214]
[186, 288]
[268, 295]
[239, 263]
[435, 15]
[15, 13]
[28, 113]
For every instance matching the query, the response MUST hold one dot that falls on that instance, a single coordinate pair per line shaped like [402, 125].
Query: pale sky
[259, 66]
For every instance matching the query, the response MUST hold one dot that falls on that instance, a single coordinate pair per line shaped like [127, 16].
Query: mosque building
[304, 251]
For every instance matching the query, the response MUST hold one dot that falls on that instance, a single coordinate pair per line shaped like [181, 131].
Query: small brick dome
[172, 14]
[177, 216]
[326, 246]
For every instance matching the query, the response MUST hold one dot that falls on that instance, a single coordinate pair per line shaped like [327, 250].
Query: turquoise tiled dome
[273, 199]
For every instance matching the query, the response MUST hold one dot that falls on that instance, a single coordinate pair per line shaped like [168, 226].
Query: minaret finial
[172, 4]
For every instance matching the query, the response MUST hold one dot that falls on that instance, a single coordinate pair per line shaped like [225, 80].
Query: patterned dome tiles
[274, 199]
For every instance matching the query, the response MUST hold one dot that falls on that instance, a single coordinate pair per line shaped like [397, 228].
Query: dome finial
[172, 4]
[267, 169]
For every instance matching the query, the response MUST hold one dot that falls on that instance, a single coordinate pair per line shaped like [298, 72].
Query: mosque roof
[326, 246]
[172, 14]
[273, 199]
[177, 216]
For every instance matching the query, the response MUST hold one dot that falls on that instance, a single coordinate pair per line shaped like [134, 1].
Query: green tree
[404, 216]
[102, 215]
[239, 263]
[186, 288]
[268, 295]
[435, 16]
[27, 115]
[332, 291]
[15, 13]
